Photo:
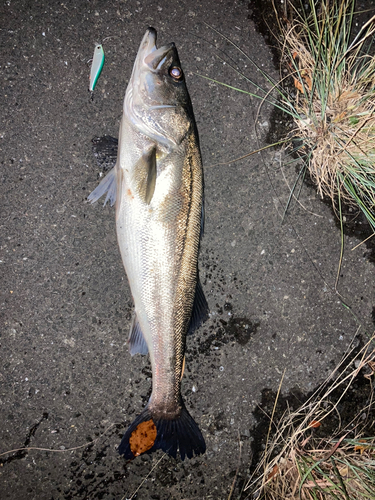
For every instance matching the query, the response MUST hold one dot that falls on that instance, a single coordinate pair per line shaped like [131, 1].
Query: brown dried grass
[334, 102]
[297, 465]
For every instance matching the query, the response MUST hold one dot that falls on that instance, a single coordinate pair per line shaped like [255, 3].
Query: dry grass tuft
[334, 103]
[297, 465]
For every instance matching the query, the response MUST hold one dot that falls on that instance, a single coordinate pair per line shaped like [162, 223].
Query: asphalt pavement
[67, 380]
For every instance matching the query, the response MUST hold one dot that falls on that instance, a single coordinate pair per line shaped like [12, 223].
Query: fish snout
[148, 44]
[152, 56]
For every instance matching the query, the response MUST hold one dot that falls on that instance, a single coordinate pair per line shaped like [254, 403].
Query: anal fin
[137, 343]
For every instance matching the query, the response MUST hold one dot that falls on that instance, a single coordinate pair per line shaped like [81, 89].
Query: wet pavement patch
[241, 329]
[105, 151]
[88, 476]
[262, 13]
[222, 331]
[355, 225]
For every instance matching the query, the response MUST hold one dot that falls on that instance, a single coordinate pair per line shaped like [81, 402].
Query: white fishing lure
[96, 66]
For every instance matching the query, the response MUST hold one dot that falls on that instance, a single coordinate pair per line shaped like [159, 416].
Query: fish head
[157, 101]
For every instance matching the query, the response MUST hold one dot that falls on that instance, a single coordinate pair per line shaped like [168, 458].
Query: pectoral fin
[145, 175]
[107, 185]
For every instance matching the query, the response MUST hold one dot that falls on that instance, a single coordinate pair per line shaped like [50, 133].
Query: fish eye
[176, 73]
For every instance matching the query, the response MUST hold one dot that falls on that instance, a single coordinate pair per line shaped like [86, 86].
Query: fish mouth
[150, 55]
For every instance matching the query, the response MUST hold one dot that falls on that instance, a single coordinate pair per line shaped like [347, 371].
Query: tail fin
[146, 434]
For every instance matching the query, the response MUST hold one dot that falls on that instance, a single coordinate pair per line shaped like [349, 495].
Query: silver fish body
[157, 183]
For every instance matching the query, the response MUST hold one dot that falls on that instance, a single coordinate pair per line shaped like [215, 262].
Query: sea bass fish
[157, 184]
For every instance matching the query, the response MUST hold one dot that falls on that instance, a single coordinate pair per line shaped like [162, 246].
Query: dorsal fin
[200, 309]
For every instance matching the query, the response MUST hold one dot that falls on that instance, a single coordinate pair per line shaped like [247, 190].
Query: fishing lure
[96, 66]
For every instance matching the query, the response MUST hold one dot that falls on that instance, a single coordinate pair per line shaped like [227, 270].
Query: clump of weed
[332, 99]
[297, 464]
[334, 103]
